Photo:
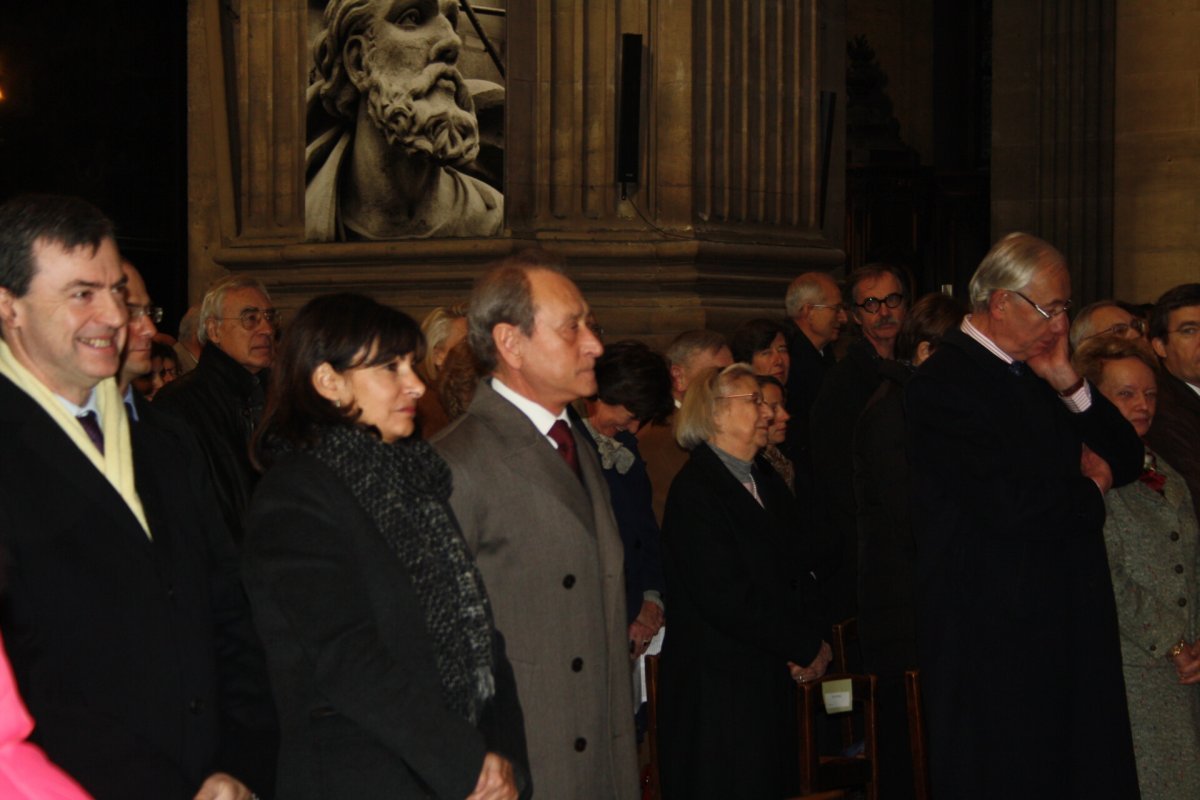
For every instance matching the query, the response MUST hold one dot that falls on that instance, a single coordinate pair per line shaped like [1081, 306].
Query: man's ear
[1160, 347]
[352, 62]
[212, 329]
[329, 383]
[510, 344]
[8, 308]
[677, 377]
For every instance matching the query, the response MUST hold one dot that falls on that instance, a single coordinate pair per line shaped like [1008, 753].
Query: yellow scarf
[116, 463]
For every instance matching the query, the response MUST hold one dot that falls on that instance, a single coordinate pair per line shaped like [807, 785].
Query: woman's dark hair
[753, 336]
[345, 330]
[927, 321]
[163, 351]
[630, 374]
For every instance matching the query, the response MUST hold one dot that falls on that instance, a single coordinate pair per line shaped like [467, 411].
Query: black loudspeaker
[629, 113]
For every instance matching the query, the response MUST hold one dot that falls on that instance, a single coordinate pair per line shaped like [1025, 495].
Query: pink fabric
[25, 772]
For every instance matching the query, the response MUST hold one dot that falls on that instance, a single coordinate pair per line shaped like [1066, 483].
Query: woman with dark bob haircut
[389, 676]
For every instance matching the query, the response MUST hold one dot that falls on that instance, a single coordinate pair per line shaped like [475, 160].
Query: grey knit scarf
[405, 488]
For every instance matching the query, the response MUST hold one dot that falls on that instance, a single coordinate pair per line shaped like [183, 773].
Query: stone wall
[1156, 234]
[730, 207]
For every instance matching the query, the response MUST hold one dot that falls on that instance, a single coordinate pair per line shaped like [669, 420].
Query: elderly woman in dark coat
[743, 604]
[389, 677]
[1151, 535]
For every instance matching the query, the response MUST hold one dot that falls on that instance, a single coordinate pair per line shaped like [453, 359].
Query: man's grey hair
[1082, 328]
[694, 420]
[1010, 266]
[504, 294]
[189, 326]
[212, 305]
[805, 289]
[687, 345]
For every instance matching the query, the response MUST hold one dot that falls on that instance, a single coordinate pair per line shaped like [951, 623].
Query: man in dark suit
[1175, 336]
[817, 315]
[222, 399]
[880, 301]
[1017, 629]
[534, 510]
[121, 586]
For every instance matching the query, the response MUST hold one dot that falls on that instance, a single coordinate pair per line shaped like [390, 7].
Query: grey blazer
[551, 556]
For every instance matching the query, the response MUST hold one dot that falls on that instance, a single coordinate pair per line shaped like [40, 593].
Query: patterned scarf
[405, 488]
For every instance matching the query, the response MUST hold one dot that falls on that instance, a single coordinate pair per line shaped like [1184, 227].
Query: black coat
[136, 659]
[743, 604]
[222, 402]
[886, 552]
[805, 376]
[1017, 627]
[843, 396]
[352, 664]
[631, 497]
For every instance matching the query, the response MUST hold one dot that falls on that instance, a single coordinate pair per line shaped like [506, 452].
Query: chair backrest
[651, 784]
[820, 772]
[916, 734]
[845, 634]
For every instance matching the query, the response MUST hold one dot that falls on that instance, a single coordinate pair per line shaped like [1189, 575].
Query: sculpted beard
[405, 114]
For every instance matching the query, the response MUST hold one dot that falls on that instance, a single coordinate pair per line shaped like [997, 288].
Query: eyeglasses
[1122, 329]
[1187, 330]
[168, 372]
[251, 318]
[755, 397]
[136, 312]
[837, 307]
[1050, 313]
[871, 304]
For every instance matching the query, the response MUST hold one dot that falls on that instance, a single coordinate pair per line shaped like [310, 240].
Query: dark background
[95, 105]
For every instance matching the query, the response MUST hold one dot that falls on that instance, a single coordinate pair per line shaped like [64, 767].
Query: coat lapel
[40, 442]
[540, 465]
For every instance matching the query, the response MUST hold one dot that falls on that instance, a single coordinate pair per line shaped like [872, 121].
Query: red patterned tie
[560, 432]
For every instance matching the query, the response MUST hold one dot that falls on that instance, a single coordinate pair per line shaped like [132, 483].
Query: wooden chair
[820, 773]
[916, 734]
[651, 785]
[845, 633]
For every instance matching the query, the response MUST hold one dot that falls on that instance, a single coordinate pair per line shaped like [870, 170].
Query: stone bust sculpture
[389, 118]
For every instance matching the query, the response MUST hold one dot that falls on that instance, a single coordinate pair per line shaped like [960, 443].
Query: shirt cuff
[654, 596]
[1080, 400]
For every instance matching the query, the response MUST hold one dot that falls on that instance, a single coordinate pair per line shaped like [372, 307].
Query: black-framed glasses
[1050, 313]
[755, 397]
[872, 304]
[251, 318]
[136, 312]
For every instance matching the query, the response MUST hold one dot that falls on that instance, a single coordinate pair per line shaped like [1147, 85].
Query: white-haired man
[1017, 626]
[222, 399]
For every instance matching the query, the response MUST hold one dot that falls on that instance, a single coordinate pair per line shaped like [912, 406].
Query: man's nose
[446, 48]
[591, 344]
[113, 312]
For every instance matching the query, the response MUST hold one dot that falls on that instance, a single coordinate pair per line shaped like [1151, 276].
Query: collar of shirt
[541, 417]
[132, 406]
[79, 411]
[988, 344]
[1193, 387]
